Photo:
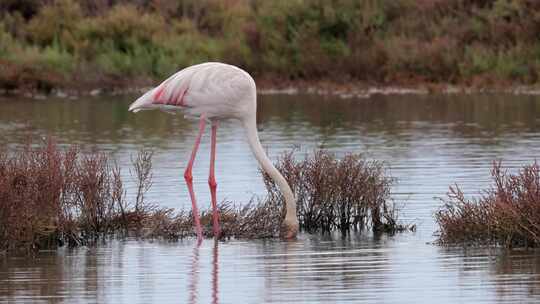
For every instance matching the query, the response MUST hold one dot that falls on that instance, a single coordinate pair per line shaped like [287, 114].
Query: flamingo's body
[211, 92]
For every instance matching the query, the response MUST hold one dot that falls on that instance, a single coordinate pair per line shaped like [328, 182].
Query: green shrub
[6, 41]
[478, 60]
[56, 23]
[52, 58]
[511, 64]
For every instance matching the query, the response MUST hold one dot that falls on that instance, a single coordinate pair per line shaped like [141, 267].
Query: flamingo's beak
[142, 102]
[136, 106]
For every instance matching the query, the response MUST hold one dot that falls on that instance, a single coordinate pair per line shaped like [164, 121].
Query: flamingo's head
[145, 102]
[289, 229]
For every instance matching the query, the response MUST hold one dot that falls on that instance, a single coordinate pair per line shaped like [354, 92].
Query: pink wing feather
[171, 92]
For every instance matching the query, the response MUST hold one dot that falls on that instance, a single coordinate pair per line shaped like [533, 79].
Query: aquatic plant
[344, 194]
[51, 196]
[506, 214]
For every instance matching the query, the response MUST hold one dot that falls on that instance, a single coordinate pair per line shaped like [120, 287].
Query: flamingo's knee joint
[212, 183]
[188, 176]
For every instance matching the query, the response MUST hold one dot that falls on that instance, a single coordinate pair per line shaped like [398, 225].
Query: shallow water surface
[428, 143]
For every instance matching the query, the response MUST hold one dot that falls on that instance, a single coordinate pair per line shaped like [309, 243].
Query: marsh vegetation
[345, 194]
[51, 196]
[505, 214]
[83, 44]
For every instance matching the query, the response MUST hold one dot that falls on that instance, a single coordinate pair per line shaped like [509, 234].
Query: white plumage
[211, 92]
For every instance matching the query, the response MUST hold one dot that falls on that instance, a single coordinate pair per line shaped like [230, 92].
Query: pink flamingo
[212, 92]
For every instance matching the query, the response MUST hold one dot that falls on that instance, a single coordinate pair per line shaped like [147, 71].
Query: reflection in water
[311, 269]
[194, 282]
[215, 273]
[331, 269]
[513, 275]
[428, 142]
[195, 270]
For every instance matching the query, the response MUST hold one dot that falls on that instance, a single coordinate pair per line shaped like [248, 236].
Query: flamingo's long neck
[291, 221]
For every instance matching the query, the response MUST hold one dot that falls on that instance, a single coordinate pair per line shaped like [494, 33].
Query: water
[428, 143]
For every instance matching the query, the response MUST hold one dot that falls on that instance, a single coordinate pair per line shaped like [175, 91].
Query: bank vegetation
[78, 45]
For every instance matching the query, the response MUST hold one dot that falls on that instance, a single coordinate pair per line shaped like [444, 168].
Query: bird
[212, 92]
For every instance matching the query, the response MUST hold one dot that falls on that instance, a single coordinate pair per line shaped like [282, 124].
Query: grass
[51, 196]
[507, 214]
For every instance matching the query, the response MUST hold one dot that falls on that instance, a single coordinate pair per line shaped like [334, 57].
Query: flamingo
[212, 92]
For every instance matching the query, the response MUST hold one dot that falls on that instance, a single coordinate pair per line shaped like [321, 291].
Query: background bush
[48, 43]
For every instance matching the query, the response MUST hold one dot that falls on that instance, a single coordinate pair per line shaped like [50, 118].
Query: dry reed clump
[50, 197]
[333, 194]
[507, 214]
[253, 220]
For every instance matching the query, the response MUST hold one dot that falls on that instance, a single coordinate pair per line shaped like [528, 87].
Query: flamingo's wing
[212, 89]
[168, 95]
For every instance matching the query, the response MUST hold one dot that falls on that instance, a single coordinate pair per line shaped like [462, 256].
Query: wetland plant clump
[50, 196]
[344, 194]
[506, 214]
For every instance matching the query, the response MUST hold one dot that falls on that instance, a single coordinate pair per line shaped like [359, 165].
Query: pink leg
[212, 181]
[189, 180]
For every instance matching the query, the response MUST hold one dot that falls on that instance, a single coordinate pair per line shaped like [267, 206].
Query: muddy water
[428, 142]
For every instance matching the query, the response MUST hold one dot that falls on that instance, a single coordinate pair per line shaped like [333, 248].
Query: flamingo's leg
[212, 181]
[188, 176]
